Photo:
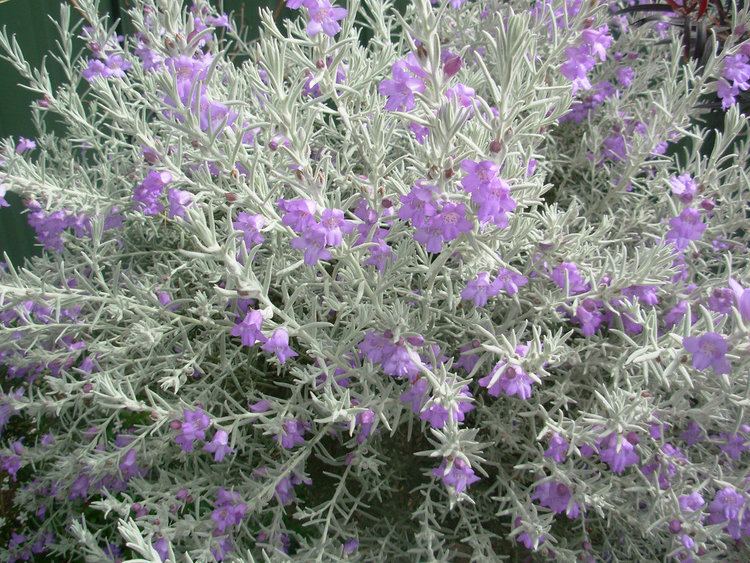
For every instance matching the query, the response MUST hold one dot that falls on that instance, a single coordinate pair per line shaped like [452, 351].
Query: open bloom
[684, 187]
[248, 329]
[708, 350]
[324, 17]
[407, 80]
[219, 445]
[618, 452]
[250, 225]
[509, 378]
[293, 433]
[480, 289]
[147, 195]
[444, 226]
[567, 276]
[179, 201]
[278, 344]
[192, 427]
[742, 296]
[686, 227]
[558, 448]
[557, 497]
[229, 510]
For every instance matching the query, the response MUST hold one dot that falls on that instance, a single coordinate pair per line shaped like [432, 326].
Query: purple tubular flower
[735, 78]
[480, 289]
[566, 275]
[161, 546]
[117, 66]
[597, 40]
[617, 452]
[219, 445]
[179, 201]
[229, 511]
[742, 296]
[299, 214]
[558, 448]
[285, 487]
[248, 330]
[509, 281]
[557, 497]
[625, 76]
[488, 192]
[324, 17]
[313, 244]
[79, 489]
[11, 464]
[692, 502]
[213, 116]
[147, 194]
[528, 539]
[460, 93]
[708, 350]
[416, 395]
[401, 88]
[615, 147]
[49, 227]
[94, 69]
[693, 434]
[509, 379]
[25, 145]
[727, 92]
[646, 294]
[589, 316]
[399, 362]
[737, 69]
[261, 406]
[192, 427]
[478, 174]
[421, 132]
[684, 187]
[350, 546]
[219, 21]
[365, 420]
[450, 222]
[419, 204]
[297, 4]
[335, 226]
[381, 254]
[726, 505]
[376, 347]
[293, 433]
[466, 360]
[675, 314]
[250, 226]
[129, 466]
[734, 445]
[721, 300]
[686, 227]
[278, 344]
[438, 413]
[452, 63]
[457, 475]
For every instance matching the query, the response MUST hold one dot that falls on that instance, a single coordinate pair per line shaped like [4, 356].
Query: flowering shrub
[465, 283]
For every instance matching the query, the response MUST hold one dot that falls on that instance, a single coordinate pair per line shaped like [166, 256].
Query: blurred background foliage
[30, 21]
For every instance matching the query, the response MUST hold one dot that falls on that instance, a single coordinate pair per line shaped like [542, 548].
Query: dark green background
[29, 21]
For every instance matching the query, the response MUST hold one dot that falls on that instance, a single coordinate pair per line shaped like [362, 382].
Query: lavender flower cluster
[465, 282]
